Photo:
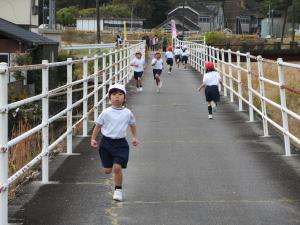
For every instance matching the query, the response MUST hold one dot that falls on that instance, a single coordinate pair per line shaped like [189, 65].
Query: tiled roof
[15, 32]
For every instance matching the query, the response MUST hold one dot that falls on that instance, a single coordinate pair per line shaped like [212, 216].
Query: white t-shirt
[211, 78]
[177, 51]
[114, 122]
[185, 53]
[158, 64]
[140, 64]
[169, 55]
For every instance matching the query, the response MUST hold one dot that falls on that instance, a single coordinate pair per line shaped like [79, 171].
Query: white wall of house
[20, 12]
[88, 24]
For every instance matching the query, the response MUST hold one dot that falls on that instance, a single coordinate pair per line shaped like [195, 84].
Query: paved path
[188, 170]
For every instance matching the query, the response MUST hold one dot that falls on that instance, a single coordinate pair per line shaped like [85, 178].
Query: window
[204, 19]
[244, 20]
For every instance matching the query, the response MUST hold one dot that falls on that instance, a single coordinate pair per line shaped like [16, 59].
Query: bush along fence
[108, 68]
[252, 87]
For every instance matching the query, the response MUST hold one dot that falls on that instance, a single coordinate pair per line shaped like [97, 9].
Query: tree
[67, 16]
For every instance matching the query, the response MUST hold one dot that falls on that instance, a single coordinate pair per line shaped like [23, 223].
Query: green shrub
[215, 38]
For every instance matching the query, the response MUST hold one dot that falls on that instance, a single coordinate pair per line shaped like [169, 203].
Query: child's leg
[118, 175]
[157, 79]
[107, 170]
[209, 107]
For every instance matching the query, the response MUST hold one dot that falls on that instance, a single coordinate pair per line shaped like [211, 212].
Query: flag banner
[173, 29]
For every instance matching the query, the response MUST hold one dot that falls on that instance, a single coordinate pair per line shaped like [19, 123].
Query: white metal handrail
[201, 53]
[115, 68]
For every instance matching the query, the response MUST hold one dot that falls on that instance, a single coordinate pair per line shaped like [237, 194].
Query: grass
[270, 71]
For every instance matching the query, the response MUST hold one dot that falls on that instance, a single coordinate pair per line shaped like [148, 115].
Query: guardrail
[238, 81]
[115, 68]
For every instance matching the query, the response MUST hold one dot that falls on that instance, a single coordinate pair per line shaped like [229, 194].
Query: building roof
[17, 33]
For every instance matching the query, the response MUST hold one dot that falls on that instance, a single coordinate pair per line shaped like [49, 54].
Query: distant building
[90, 24]
[236, 15]
[242, 17]
[201, 16]
[16, 40]
[21, 12]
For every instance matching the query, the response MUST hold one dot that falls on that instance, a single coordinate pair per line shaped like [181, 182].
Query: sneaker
[118, 195]
[137, 89]
[141, 89]
[157, 89]
[160, 84]
[169, 72]
[210, 116]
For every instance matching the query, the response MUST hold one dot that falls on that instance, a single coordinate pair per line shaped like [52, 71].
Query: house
[17, 40]
[199, 16]
[21, 12]
[242, 16]
[239, 16]
[90, 24]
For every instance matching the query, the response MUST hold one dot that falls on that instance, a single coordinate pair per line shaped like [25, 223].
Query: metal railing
[238, 78]
[115, 68]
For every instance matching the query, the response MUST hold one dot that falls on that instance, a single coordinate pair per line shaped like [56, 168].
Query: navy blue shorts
[212, 93]
[177, 58]
[114, 151]
[156, 71]
[137, 74]
[185, 59]
[170, 61]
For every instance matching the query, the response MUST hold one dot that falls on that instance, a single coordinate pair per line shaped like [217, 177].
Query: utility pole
[272, 23]
[52, 14]
[293, 37]
[183, 18]
[98, 22]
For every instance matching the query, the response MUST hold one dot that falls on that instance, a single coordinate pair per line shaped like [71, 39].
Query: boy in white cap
[113, 148]
[157, 64]
[177, 53]
[139, 66]
[185, 56]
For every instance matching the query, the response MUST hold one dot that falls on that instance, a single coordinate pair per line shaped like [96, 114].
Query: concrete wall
[19, 12]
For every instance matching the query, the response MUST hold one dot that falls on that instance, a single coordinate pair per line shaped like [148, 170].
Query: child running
[113, 149]
[157, 64]
[139, 66]
[177, 53]
[185, 56]
[169, 55]
[211, 80]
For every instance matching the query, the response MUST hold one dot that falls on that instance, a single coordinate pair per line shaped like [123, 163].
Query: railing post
[110, 67]
[96, 81]
[250, 94]
[230, 75]
[3, 144]
[120, 66]
[128, 62]
[69, 105]
[238, 62]
[218, 64]
[45, 117]
[85, 101]
[284, 114]
[262, 93]
[104, 81]
[116, 66]
[224, 72]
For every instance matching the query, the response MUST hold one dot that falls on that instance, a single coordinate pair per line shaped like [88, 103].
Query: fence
[233, 74]
[115, 68]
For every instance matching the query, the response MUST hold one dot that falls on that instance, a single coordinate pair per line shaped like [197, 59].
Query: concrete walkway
[188, 170]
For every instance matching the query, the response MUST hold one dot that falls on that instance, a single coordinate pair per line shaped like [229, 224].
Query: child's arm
[96, 131]
[135, 141]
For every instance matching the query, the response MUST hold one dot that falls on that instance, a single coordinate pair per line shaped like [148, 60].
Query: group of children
[114, 121]
[139, 65]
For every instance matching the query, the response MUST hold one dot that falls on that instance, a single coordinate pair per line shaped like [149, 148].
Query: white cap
[118, 87]
[185, 46]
